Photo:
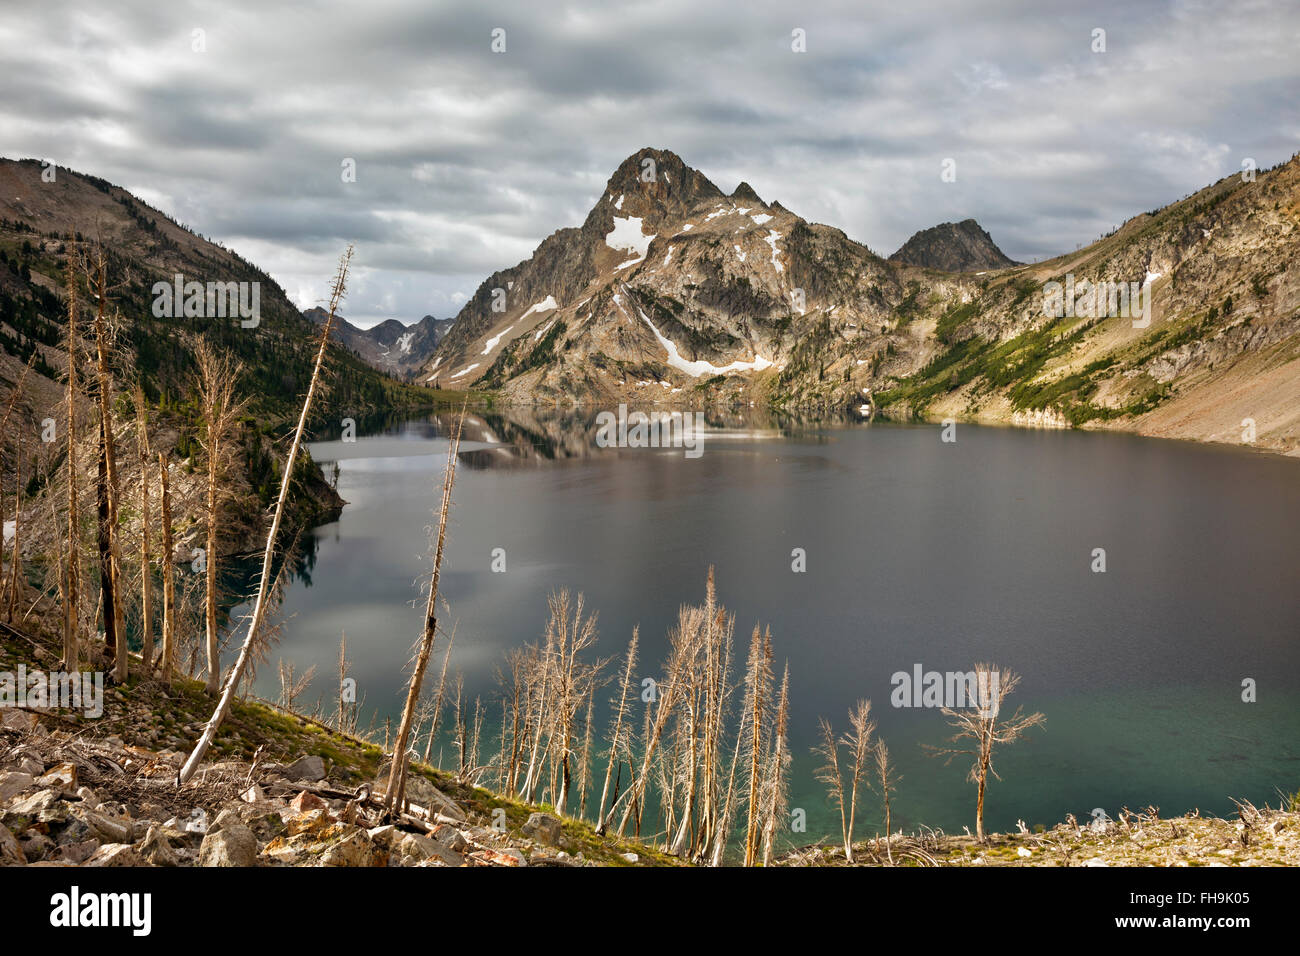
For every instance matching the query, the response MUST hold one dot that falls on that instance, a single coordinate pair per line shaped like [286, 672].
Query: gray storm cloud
[467, 158]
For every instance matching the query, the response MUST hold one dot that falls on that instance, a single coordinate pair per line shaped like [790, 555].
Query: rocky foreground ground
[67, 800]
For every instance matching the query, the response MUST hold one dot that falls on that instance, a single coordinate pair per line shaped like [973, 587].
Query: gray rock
[310, 769]
[77, 853]
[451, 838]
[543, 828]
[37, 846]
[355, 849]
[115, 854]
[414, 849]
[14, 782]
[224, 819]
[156, 849]
[11, 854]
[233, 845]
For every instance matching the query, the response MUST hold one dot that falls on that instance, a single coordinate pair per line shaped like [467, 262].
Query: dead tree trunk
[146, 576]
[110, 557]
[17, 558]
[72, 582]
[169, 578]
[104, 543]
[264, 584]
[397, 773]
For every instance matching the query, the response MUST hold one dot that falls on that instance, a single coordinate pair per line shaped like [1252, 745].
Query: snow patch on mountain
[546, 305]
[772, 237]
[700, 367]
[492, 342]
[627, 236]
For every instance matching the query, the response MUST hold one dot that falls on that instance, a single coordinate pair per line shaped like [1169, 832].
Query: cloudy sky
[466, 158]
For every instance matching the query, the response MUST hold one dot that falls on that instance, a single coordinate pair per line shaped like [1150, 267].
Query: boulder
[450, 837]
[115, 854]
[11, 854]
[40, 808]
[310, 769]
[14, 782]
[414, 849]
[114, 831]
[355, 849]
[156, 849]
[233, 845]
[77, 853]
[543, 828]
[223, 819]
[313, 821]
[37, 846]
[306, 801]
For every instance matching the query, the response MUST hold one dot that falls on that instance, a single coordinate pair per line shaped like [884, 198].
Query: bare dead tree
[146, 557]
[18, 457]
[168, 660]
[830, 774]
[260, 606]
[981, 726]
[346, 714]
[619, 739]
[17, 562]
[395, 790]
[568, 634]
[72, 577]
[108, 487]
[858, 740]
[215, 384]
[293, 685]
[758, 685]
[887, 780]
[584, 757]
[776, 793]
[683, 642]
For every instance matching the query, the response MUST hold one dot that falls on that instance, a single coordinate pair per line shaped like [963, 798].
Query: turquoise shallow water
[917, 552]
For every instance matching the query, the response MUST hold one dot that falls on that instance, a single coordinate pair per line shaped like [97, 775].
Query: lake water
[917, 552]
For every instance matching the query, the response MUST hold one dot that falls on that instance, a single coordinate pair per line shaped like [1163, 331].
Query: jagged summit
[745, 193]
[953, 247]
[651, 185]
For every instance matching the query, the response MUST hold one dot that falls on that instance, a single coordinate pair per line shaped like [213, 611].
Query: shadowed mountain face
[674, 292]
[43, 221]
[389, 346]
[953, 247]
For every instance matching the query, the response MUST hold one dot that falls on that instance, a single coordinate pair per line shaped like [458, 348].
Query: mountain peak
[953, 247]
[746, 193]
[651, 184]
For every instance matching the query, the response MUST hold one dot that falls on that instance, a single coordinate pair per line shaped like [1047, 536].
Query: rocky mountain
[41, 220]
[673, 292]
[953, 247]
[389, 346]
